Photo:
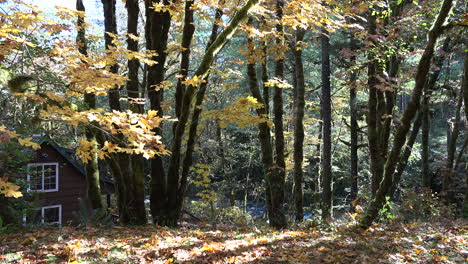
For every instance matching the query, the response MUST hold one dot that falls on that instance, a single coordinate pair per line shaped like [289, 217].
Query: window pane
[50, 180]
[35, 177]
[51, 215]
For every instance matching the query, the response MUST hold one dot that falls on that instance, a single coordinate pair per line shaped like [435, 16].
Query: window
[45, 215]
[43, 177]
[52, 214]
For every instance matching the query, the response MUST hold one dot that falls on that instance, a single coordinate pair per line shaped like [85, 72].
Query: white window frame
[56, 176]
[59, 206]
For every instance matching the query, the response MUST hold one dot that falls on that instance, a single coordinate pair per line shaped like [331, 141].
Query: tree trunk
[374, 115]
[192, 137]
[299, 129]
[93, 190]
[157, 34]
[428, 89]
[276, 175]
[263, 128]
[452, 146]
[406, 154]
[131, 204]
[425, 172]
[465, 96]
[266, 89]
[326, 115]
[412, 107]
[137, 161]
[354, 127]
[110, 26]
[170, 219]
[187, 36]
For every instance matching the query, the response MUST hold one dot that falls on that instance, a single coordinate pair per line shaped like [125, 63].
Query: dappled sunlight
[393, 243]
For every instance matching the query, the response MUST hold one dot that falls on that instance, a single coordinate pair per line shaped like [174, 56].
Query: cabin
[58, 181]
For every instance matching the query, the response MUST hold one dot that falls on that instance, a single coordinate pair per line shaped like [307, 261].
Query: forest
[247, 131]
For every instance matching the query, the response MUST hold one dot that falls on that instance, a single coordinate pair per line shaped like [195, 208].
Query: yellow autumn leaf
[195, 81]
[27, 142]
[9, 189]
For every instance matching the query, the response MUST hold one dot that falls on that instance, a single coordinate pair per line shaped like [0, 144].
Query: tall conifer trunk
[299, 128]
[276, 175]
[354, 127]
[326, 117]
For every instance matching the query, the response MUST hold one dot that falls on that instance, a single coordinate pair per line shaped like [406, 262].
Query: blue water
[256, 210]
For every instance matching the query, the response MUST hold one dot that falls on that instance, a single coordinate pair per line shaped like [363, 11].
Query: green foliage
[222, 216]
[387, 212]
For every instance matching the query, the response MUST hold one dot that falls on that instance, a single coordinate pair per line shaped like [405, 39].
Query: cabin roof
[68, 155]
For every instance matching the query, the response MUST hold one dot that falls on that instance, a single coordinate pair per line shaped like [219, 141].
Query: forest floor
[416, 242]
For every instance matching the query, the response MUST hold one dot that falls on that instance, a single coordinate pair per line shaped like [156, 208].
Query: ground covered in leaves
[390, 243]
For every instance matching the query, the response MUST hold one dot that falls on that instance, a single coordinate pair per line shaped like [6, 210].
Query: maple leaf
[195, 81]
[28, 143]
[9, 189]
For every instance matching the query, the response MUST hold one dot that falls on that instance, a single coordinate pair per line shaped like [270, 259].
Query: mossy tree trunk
[299, 128]
[381, 101]
[408, 148]
[400, 136]
[93, 190]
[166, 194]
[263, 131]
[187, 36]
[276, 175]
[135, 98]
[377, 159]
[192, 137]
[157, 34]
[130, 197]
[428, 89]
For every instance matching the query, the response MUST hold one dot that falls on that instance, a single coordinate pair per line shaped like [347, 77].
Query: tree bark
[93, 190]
[187, 36]
[263, 128]
[201, 73]
[377, 159]
[326, 116]
[192, 137]
[157, 34]
[428, 89]
[137, 161]
[452, 146]
[406, 154]
[276, 175]
[110, 26]
[130, 203]
[412, 107]
[299, 128]
[465, 96]
[354, 128]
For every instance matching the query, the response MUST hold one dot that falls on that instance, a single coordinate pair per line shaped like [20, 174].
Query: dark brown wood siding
[71, 187]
